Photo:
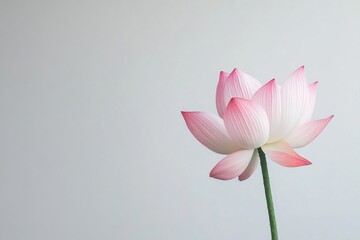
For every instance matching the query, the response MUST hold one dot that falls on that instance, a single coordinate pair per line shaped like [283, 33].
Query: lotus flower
[275, 118]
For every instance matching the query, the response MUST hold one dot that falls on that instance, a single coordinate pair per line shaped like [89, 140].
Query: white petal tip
[232, 165]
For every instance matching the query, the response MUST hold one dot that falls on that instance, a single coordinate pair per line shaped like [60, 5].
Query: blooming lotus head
[277, 119]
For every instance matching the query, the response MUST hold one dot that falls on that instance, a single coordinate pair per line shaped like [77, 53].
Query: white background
[92, 142]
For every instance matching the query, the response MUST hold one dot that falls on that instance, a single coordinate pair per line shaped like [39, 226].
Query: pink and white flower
[275, 118]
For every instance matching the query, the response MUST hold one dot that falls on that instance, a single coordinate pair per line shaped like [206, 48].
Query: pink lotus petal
[269, 98]
[251, 167]
[246, 123]
[309, 110]
[294, 100]
[220, 98]
[232, 165]
[209, 129]
[304, 134]
[239, 85]
[283, 154]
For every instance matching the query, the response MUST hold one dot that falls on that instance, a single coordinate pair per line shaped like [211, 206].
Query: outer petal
[269, 98]
[240, 85]
[220, 98]
[294, 99]
[283, 154]
[232, 165]
[304, 134]
[209, 129]
[246, 123]
[309, 110]
[251, 167]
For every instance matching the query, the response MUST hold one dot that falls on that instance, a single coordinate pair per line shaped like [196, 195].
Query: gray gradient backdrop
[92, 142]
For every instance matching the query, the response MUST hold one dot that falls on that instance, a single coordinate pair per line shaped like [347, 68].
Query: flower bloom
[275, 118]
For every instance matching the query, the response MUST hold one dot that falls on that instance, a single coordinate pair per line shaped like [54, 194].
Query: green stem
[268, 195]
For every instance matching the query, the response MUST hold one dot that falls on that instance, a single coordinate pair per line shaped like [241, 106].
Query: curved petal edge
[283, 154]
[246, 123]
[209, 130]
[220, 93]
[294, 100]
[310, 106]
[254, 162]
[240, 85]
[232, 165]
[269, 98]
[306, 133]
